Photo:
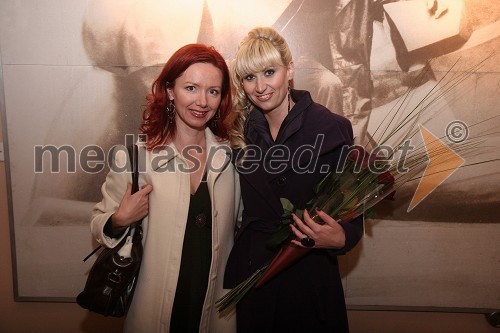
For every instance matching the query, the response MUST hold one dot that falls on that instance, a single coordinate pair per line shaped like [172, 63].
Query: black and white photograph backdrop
[75, 75]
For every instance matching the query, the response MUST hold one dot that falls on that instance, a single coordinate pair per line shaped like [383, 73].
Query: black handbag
[113, 276]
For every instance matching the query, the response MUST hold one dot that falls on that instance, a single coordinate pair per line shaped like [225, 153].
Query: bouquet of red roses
[342, 195]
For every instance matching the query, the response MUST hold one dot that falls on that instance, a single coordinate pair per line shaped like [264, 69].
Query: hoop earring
[171, 112]
[288, 99]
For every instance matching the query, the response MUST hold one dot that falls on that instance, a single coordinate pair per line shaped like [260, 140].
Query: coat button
[201, 220]
[281, 180]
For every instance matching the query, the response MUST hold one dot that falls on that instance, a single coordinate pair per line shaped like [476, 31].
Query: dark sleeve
[112, 232]
[353, 233]
[353, 229]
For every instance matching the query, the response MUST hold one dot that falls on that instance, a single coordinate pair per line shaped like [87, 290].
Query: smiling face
[268, 89]
[196, 95]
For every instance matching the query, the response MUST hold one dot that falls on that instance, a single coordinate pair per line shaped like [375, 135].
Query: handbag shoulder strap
[133, 153]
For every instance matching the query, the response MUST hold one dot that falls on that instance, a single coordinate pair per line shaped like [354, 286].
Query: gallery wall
[75, 73]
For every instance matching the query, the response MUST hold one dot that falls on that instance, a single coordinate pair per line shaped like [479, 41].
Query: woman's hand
[330, 235]
[133, 207]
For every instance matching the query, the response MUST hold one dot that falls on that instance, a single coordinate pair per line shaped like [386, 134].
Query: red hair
[156, 124]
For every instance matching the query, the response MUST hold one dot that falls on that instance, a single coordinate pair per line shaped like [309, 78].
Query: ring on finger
[307, 241]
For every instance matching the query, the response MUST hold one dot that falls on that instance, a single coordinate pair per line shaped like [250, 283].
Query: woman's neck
[191, 144]
[189, 138]
[276, 117]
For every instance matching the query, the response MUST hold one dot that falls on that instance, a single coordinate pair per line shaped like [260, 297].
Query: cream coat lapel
[217, 157]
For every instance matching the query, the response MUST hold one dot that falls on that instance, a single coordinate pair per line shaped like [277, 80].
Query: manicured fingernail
[318, 209]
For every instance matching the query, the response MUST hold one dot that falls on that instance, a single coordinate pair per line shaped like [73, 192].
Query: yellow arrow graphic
[443, 161]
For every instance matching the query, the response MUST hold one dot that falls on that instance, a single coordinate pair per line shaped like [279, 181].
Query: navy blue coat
[307, 297]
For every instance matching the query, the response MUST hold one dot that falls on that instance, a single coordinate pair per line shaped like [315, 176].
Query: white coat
[164, 229]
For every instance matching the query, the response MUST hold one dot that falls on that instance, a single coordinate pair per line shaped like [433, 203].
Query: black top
[195, 264]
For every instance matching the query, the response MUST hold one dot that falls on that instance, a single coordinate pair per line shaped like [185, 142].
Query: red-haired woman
[189, 197]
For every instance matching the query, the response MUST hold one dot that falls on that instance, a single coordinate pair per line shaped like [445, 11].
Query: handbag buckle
[115, 276]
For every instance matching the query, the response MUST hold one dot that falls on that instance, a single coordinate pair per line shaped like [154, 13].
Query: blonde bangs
[255, 56]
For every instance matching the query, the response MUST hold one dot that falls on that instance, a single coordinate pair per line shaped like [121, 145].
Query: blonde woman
[284, 144]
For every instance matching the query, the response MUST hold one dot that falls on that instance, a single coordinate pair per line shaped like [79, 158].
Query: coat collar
[219, 156]
[257, 133]
[257, 129]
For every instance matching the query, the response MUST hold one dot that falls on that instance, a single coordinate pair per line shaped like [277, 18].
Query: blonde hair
[263, 47]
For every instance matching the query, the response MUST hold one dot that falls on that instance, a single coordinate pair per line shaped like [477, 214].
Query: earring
[171, 112]
[216, 117]
[288, 99]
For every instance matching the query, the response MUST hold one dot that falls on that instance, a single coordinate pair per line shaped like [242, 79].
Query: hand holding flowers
[329, 235]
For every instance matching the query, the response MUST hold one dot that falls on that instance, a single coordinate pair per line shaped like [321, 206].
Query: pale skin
[330, 235]
[197, 96]
[133, 207]
[268, 91]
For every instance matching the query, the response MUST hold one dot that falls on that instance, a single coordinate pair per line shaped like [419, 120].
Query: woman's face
[268, 89]
[196, 95]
